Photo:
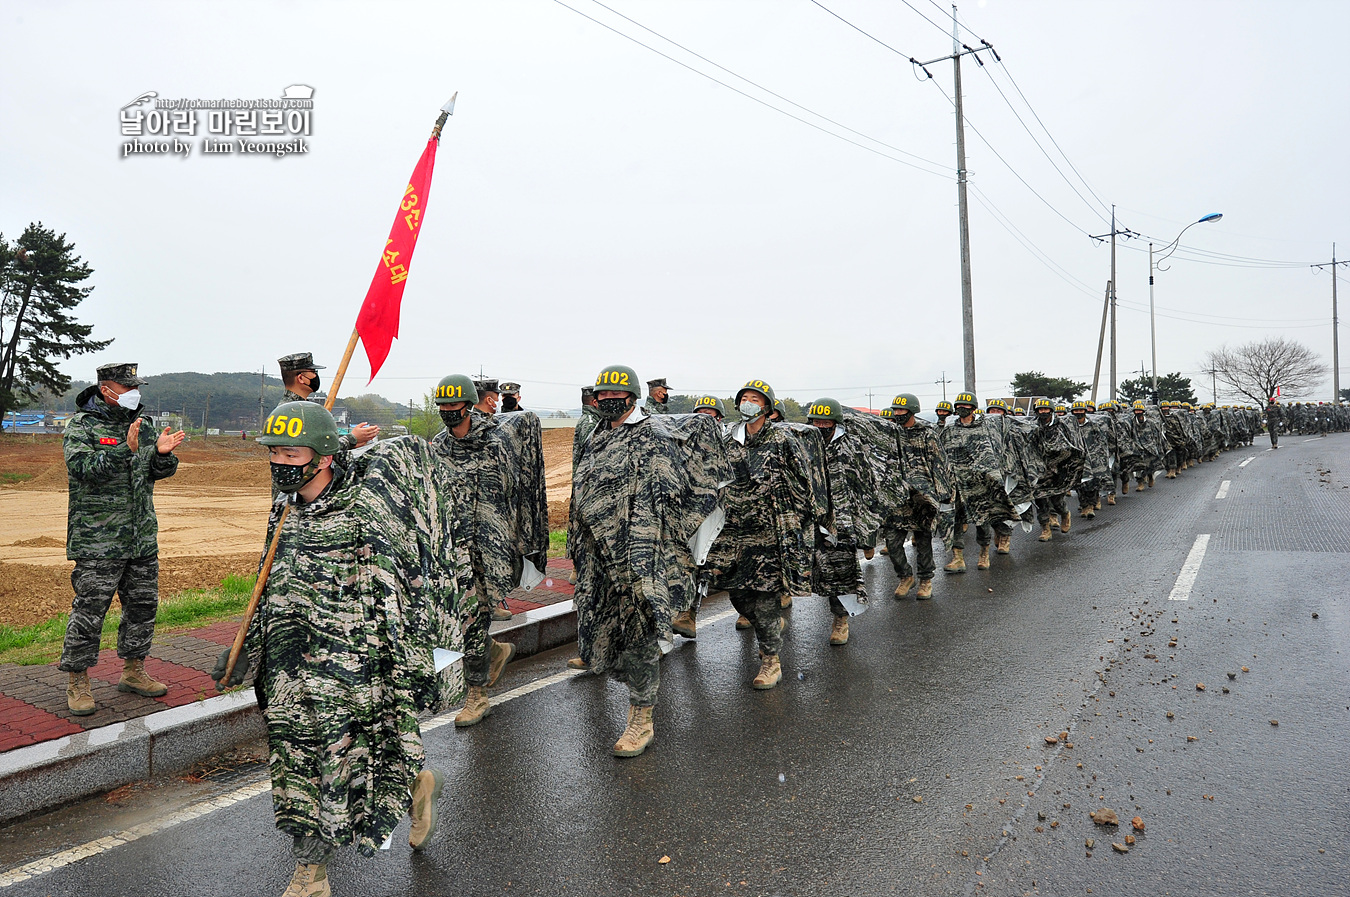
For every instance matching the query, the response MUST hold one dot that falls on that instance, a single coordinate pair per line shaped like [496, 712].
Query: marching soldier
[300, 377]
[1062, 450]
[927, 484]
[1274, 420]
[113, 457]
[943, 410]
[502, 520]
[362, 588]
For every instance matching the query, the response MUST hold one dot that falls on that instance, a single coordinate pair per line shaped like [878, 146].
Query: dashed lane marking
[247, 792]
[1189, 570]
[1248, 461]
[1223, 490]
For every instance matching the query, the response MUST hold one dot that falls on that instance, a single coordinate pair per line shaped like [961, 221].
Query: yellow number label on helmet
[757, 384]
[820, 409]
[281, 425]
[450, 392]
[612, 378]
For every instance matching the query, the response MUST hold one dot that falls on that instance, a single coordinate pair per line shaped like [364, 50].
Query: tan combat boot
[1003, 544]
[958, 562]
[79, 698]
[1150, 481]
[476, 706]
[743, 622]
[639, 735]
[1065, 523]
[983, 562]
[839, 631]
[925, 590]
[499, 655]
[1111, 499]
[1046, 535]
[310, 880]
[134, 678]
[770, 672]
[903, 587]
[1090, 513]
[1139, 486]
[1055, 521]
[684, 624]
[576, 663]
[426, 790]
[784, 600]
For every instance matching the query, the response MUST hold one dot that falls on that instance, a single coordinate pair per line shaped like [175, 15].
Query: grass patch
[557, 543]
[190, 609]
[9, 479]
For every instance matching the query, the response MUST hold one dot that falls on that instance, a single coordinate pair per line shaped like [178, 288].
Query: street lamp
[1152, 266]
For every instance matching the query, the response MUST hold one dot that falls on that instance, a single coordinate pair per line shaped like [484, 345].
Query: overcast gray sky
[596, 203]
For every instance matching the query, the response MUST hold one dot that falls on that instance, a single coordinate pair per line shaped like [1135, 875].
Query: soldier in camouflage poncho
[774, 495]
[1148, 432]
[1061, 448]
[1096, 459]
[815, 453]
[835, 570]
[501, 518]
[990, 475]
[643, 500]
[928, 502]
[113, 456]
[363, 587]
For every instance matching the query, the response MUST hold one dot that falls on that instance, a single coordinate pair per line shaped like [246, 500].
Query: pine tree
[40, 284]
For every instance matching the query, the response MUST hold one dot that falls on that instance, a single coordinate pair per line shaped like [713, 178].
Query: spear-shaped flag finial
[446, 111]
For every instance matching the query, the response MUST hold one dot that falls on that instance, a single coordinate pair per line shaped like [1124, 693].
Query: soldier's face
[711, 412]
[659, 393]
[292, 455]
[820, 424]
[488, 402]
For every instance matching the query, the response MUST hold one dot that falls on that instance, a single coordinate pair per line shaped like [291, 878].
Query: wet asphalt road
[914, 760]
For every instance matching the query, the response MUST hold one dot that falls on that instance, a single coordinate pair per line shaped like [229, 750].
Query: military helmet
[302, 423]
[1138, 405]
[825, 409]
[1019, 411]
[1061, 408]
[885, 412]
[712, 402]
[618, 378]
[906, 401]
[965, 398]
[997, 403]
[1188, 406]
[944, 406]
[1106, 405]
[456, 388]
[1090, 405]
[1043, 403]
[1079, 406]
[760, 387]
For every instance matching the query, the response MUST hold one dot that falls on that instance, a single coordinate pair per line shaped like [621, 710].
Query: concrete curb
[47, 775]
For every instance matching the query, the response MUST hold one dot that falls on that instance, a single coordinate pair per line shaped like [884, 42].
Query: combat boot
[135, 679]
[1111, 499]
[684, 624]
[1150, 481]
[958, 562]
[743, 622]
[1055, 521]
[770, 672]
[839, 631]
[576, 663]
[476, 706]
[310, 880]
[426, 790]
[983, 562]
[499, 655]
[639, 734]
[903, 587]
[79, 698]
[1003, 543]
[1065, 523]
[1046, 535]
[501, 613]
[925, 590]
[1090, 513]
[1139, 487]
[785, 600]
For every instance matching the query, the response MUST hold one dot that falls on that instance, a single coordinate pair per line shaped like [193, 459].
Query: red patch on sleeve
[107, 440]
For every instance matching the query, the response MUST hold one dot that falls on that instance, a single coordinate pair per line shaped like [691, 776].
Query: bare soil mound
[53, 479]
[229, 474]
[558, 474]
[39, 542]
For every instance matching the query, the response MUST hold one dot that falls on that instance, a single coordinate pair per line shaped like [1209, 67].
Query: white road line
[1189, 570]
[1314, 439]
[202, 808]
[1248, 461]
[1223, 490]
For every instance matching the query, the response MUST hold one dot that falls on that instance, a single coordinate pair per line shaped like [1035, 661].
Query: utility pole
[262, 398]
[944, 381]
[1127, 233]
[1335, 327]
[967, 303]
[206, 414]
[1101, 341]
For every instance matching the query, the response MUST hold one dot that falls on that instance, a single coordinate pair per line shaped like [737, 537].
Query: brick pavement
[33, 698]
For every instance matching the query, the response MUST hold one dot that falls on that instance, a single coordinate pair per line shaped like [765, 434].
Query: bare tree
[1257, 368]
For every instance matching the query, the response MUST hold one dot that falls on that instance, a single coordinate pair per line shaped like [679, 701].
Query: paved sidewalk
[33, 698]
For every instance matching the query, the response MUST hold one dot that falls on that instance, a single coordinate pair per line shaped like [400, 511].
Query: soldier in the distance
[1274, 420]
[511, 397]
[113, 456]
[657, 393]
[488, 393]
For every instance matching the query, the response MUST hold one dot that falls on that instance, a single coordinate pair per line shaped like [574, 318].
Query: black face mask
[313, 382]
[827, 433]
[613, 409]
[901, 417]
[509, 403]
[453, 419]
[293, 477]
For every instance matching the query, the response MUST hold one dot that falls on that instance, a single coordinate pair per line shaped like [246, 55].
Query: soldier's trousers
[1051, 504]
[639, 667]
[835, 571]
[1274, 437]
[478, 644]
[95, 580]
[312, 849]
[924, 567]
[984, 534]
[765, 613]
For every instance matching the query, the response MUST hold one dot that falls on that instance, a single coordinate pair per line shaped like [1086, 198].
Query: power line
[915, 10]
[765, 103]
[862, 32]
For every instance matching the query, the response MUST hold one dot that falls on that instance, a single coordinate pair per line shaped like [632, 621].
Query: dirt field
[212, 518]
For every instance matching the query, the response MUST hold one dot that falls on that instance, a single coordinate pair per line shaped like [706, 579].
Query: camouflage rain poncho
[364, 586]
[778, 494]
[641, 492]
[852, 489]
[982, 467]
[890, 502]
[501, 513]
[928, 479]
[1097, 460]
[1061, 448]
[1148, 431]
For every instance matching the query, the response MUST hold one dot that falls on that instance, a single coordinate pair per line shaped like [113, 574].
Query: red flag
[378, 321]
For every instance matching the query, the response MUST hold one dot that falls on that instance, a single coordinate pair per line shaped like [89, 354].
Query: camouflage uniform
[1274, 420]
[986, 470]
[1061, 449]
[835, 570]
[642, 490]
[775, 492]
[364, 585]
[501, 514]
[930, 499]
[1096, 462]
[111, 530]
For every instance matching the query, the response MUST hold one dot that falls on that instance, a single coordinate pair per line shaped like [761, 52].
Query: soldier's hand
[237, 677]
[134, 436]
[167, 441]
[364, 432]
